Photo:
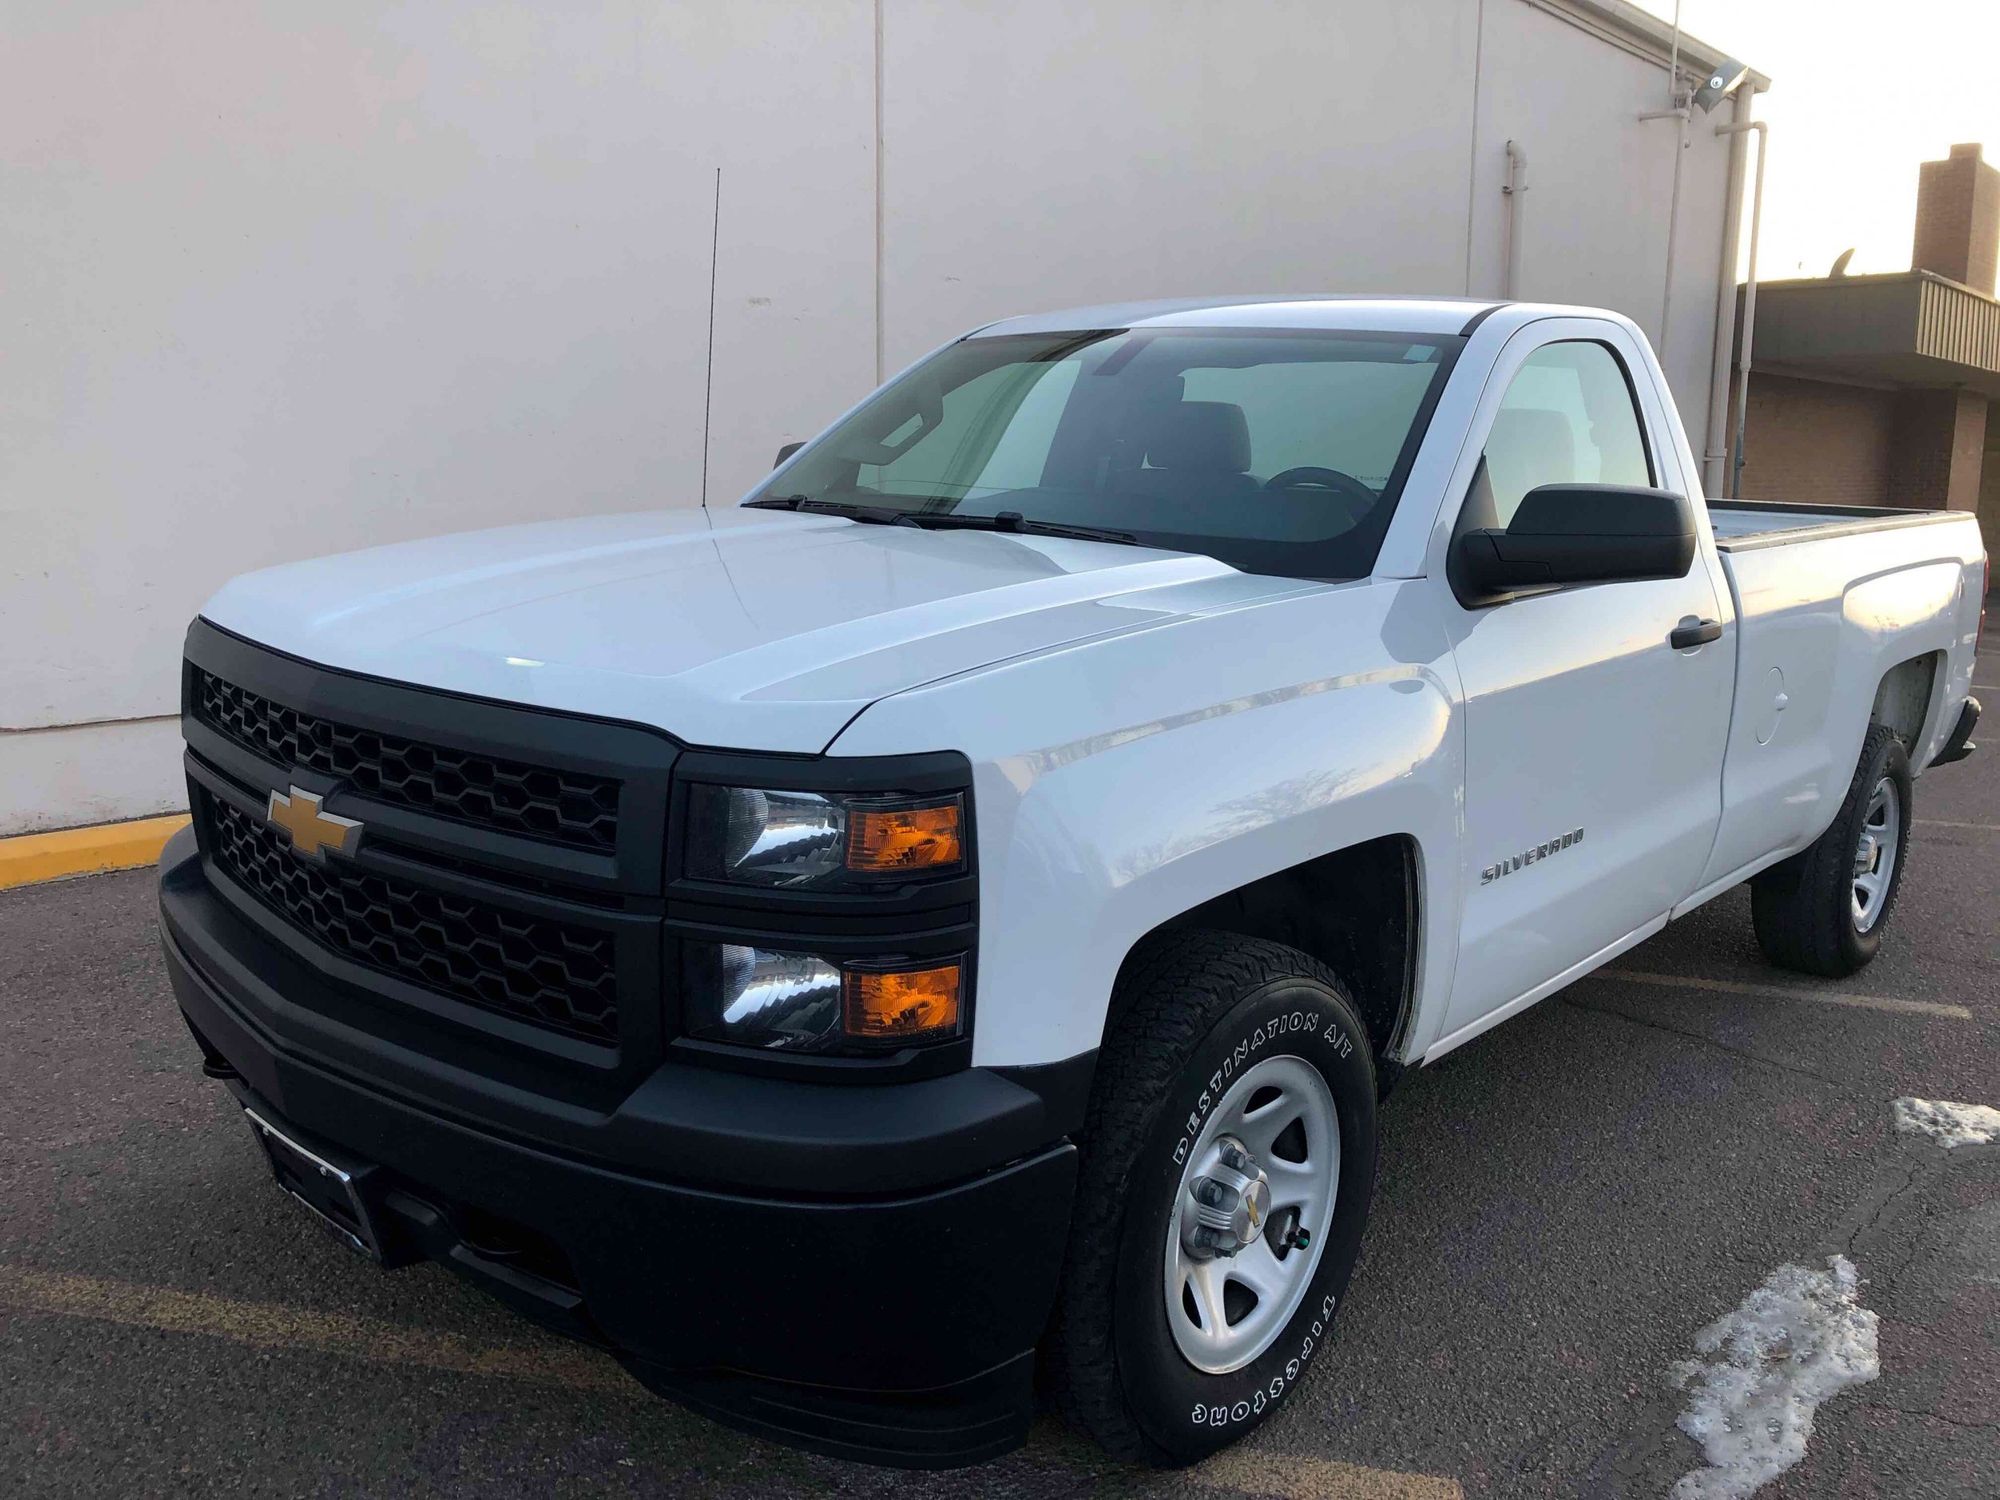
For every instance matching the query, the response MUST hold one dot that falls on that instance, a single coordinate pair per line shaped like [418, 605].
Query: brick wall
[1809, 440]
[1936, 445]
[1989, 484]
[1931, 449]
[1958, 218]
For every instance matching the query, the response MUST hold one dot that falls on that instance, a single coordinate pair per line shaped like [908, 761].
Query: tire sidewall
[1892, 761]
[1186, 1412]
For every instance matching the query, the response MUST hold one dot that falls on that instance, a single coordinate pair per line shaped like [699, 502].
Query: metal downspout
[1715, 447]
[1749, 293]
[1512, 189]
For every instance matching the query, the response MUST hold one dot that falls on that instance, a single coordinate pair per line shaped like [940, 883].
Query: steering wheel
[1310, 477]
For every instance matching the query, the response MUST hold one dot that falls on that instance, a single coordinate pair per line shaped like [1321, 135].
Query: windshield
[1278, 451]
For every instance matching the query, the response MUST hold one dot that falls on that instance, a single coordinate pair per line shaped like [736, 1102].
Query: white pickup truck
[950, 919]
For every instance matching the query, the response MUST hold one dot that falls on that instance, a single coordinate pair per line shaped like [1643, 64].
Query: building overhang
[1908, 329]
[1642, 34]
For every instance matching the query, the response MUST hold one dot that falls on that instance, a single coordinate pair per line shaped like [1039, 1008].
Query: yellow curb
[33, 857]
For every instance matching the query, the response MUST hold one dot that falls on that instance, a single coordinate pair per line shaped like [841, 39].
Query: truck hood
[747, 629]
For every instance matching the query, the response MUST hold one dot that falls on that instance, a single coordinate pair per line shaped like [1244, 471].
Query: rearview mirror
[786, 452]
[1581, 533]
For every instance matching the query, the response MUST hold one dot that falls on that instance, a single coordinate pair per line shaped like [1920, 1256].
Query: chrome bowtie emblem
[313, 831]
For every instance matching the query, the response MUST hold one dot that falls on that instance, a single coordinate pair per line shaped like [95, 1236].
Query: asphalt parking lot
[1563, 1204]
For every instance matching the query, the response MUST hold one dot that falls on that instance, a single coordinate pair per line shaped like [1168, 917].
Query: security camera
[1721, 82]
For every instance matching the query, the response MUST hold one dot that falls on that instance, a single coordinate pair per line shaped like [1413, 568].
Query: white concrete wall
[1600, 181]
[1045, 153]
[282, 281]
[278, 282]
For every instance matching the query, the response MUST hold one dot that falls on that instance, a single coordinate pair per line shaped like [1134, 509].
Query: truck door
[1593, 745]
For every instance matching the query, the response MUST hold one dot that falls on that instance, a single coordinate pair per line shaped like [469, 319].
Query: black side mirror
[786, 452]
[1582, 533]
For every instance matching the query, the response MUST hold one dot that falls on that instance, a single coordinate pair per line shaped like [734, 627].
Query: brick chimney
[1958, 218]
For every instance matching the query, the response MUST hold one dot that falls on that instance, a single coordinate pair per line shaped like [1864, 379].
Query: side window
[1567, 418]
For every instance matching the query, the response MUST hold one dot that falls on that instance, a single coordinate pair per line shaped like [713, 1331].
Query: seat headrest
[1528, 446]
[1201, 437]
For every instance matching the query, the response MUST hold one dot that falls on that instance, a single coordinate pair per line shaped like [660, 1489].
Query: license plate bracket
[329, 1188]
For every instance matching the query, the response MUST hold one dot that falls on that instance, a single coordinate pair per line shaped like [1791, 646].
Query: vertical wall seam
[708, 369]
[1472, 146]
[880, 373]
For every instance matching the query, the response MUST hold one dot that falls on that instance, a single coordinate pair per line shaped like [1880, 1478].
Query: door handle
[1693, 632]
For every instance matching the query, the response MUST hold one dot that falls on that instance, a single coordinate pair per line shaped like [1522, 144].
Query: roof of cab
[1433, 315]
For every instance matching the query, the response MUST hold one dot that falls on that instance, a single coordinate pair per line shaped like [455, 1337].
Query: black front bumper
[863, 1270]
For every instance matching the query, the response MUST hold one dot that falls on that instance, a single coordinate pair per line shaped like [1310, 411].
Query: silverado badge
[313, 831]
[1532, 856]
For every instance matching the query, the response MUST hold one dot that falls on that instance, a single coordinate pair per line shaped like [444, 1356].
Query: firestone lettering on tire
[1268, 1395]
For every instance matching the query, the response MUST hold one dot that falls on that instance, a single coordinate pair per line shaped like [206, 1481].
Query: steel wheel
[1875, 853]
[1254, 1198]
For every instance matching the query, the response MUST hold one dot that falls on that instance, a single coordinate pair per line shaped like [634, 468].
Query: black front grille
[487, 791]
[558, 975]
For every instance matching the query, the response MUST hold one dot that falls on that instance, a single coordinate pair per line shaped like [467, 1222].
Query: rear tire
[1823, 911]
[1214, 1040]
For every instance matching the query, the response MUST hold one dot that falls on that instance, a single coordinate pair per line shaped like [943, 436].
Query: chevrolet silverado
[942, 928]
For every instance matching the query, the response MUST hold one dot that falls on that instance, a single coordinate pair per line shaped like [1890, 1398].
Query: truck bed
[1746, 525]
[1829, 600]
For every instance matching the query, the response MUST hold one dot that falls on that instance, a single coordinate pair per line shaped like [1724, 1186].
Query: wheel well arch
[1357, 910]
[1903, 698]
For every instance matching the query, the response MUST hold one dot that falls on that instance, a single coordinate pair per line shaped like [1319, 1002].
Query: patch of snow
[1799, 1338]
[1948, 1124]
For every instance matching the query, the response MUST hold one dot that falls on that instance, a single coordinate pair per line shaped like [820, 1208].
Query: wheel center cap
[1228, 1205]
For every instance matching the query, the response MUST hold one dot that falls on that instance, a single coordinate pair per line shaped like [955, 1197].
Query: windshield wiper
[868, 515]
[940, 520]
[1014, 521]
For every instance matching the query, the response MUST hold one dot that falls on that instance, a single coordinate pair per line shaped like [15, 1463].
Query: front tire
[1823, 910]
[1236, 1087]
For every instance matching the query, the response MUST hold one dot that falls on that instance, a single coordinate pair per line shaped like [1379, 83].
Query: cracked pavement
[1562, 1204]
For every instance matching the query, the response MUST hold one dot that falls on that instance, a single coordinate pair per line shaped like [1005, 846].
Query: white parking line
[1789, 992]
[1947, 823]
[274, 1326]
[266, 1325]
[1291, 1477]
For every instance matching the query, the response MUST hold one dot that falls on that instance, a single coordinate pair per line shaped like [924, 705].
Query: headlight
[803, 1002]
[777, 838]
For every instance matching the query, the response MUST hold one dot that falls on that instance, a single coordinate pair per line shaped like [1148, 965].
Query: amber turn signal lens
[883, 841]
[902, 1005]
